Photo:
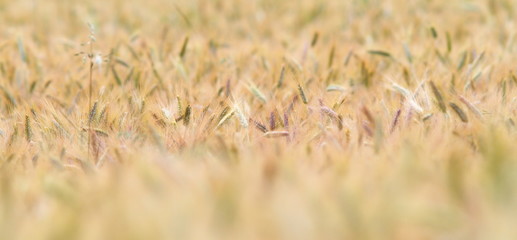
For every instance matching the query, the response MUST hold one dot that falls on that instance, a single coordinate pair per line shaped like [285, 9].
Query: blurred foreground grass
[259, 120]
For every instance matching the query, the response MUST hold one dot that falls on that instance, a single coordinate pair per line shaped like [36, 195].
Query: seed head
[97, 59]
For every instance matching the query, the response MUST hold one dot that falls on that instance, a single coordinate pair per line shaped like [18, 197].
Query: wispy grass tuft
[186, 118]
[184, 47]
[28, 129]
[275, 134]
[303, 96]
[93, 113]
[259, 125]
[438, 96]
[240, 116]
[257, 93]
[380, 53]
[459, 112]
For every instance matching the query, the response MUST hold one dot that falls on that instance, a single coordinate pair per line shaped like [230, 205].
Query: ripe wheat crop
[258, 119]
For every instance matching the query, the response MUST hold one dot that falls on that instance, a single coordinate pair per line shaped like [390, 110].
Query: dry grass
[259, 120]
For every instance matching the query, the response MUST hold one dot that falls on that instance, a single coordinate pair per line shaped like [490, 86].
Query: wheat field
[258, 119]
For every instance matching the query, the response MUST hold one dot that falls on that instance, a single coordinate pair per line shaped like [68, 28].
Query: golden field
[258, 119]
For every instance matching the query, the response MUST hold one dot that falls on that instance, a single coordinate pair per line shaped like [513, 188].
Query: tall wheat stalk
[93, 59]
